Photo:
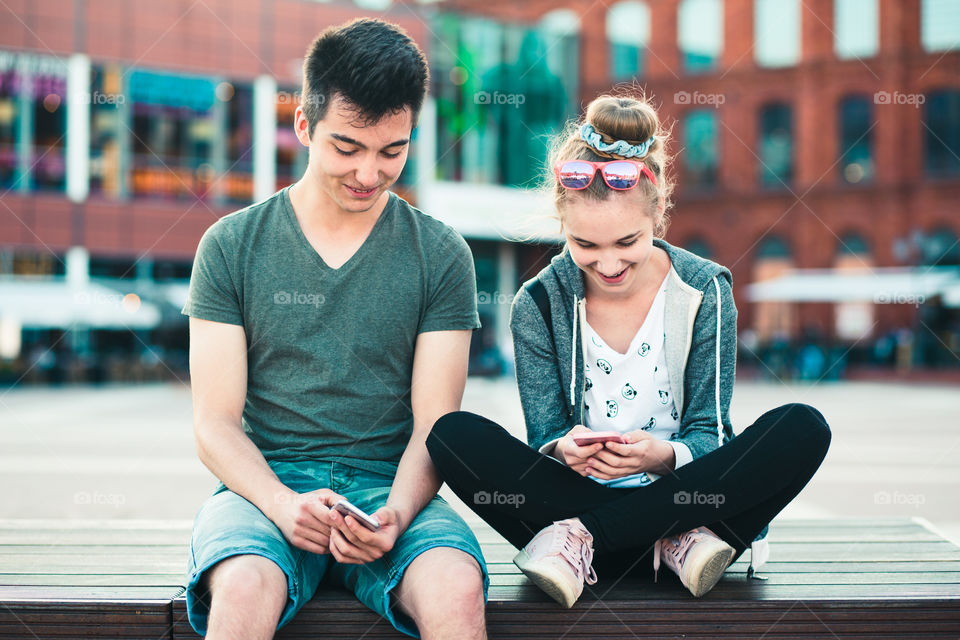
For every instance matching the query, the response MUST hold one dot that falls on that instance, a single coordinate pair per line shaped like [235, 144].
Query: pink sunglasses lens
[621, 175]
[575, 174]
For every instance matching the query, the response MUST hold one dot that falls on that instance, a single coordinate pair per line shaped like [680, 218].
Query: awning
[884, 285]
[49, 303]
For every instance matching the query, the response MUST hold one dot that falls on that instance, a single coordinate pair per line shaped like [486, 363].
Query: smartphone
[583, 439]
[347, 509]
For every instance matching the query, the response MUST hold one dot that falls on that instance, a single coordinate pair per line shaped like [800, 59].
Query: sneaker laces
[675, 548]
[576, 549]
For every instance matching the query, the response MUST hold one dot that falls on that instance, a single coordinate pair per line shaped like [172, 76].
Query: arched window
[776, 145]
[628, 31]
[776, 32]
[855, 28]
[700, 147]
[700, 247]
[941, 132]
[856, 139]
[940, 25]
[700, 34]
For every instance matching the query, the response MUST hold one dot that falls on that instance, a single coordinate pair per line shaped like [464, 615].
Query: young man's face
[351, 162]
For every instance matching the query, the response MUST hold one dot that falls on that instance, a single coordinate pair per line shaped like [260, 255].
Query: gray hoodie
[700, 321]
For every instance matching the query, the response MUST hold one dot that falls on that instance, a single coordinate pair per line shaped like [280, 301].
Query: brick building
[814, 134]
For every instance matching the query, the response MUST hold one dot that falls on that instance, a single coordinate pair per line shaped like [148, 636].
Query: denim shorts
[229, 525]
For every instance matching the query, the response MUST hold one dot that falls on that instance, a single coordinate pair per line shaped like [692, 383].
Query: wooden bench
[886, 578]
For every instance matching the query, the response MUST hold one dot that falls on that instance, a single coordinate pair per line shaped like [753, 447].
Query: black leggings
[735, 490]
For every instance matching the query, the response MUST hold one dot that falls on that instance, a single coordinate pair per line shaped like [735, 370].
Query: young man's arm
[439, 376]
[218, 378]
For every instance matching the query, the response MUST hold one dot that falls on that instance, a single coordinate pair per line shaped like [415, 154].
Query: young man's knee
[448, 584]
[245, 579]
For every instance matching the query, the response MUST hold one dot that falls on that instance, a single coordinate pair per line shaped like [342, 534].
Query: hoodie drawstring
[573, 351]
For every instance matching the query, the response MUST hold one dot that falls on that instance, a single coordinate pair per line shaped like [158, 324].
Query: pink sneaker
[699, 557]
[558, 560]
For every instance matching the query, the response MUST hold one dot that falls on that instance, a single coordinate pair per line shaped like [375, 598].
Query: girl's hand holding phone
[573, 455]
[642, 452]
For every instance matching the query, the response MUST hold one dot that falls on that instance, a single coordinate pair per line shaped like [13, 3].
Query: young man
[330, 327]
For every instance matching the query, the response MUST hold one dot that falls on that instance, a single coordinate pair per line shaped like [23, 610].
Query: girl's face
[611, 240]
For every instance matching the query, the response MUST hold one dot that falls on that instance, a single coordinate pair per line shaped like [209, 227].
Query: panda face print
[650, 424]
[674, 414]
[612, 409]
[674, 436]
[588, 384]
[594, 340]
[628, 392]
[664, 396]
[644, 349]
[605, 366]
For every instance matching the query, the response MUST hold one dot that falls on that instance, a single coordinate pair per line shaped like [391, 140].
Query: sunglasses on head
[619, 175]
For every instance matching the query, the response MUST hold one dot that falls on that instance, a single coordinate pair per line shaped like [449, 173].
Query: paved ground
[127, 452]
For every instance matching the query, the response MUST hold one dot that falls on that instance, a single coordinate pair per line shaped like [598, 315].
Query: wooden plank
[94, 580]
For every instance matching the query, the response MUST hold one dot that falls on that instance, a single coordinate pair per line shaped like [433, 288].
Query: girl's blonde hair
[616, 118]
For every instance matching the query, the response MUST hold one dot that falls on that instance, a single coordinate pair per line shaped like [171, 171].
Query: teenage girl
[624, 332]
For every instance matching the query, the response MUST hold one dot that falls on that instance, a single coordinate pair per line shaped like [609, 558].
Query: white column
[264, 137]
[426, 148]
[78, 267]
[78, 127]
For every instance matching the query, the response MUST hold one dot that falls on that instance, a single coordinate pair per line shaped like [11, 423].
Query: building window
[855, 28]
[48, 80]
[9, 122]
[700, 34]
[174, 128]
[941, 248]
[700, 148]
[856, 141]
[628, 31]
[700, 247]
[501, 91]
[941, 128]
[776, 32]
[940, 25]
[776, 145]
[107, 102]
[852, 244]
[238, 173]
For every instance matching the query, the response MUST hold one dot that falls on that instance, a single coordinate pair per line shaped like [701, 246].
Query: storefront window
[173, 134]
[48, 101]
[238, 176]
[106, 130]
[9, 88]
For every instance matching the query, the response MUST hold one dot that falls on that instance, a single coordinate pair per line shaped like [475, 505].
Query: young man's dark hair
[374, 65]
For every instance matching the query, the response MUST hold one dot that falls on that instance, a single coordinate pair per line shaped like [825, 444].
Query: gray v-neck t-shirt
[330, 351]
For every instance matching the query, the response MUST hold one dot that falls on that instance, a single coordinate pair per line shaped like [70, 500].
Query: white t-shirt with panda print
[630, 391]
